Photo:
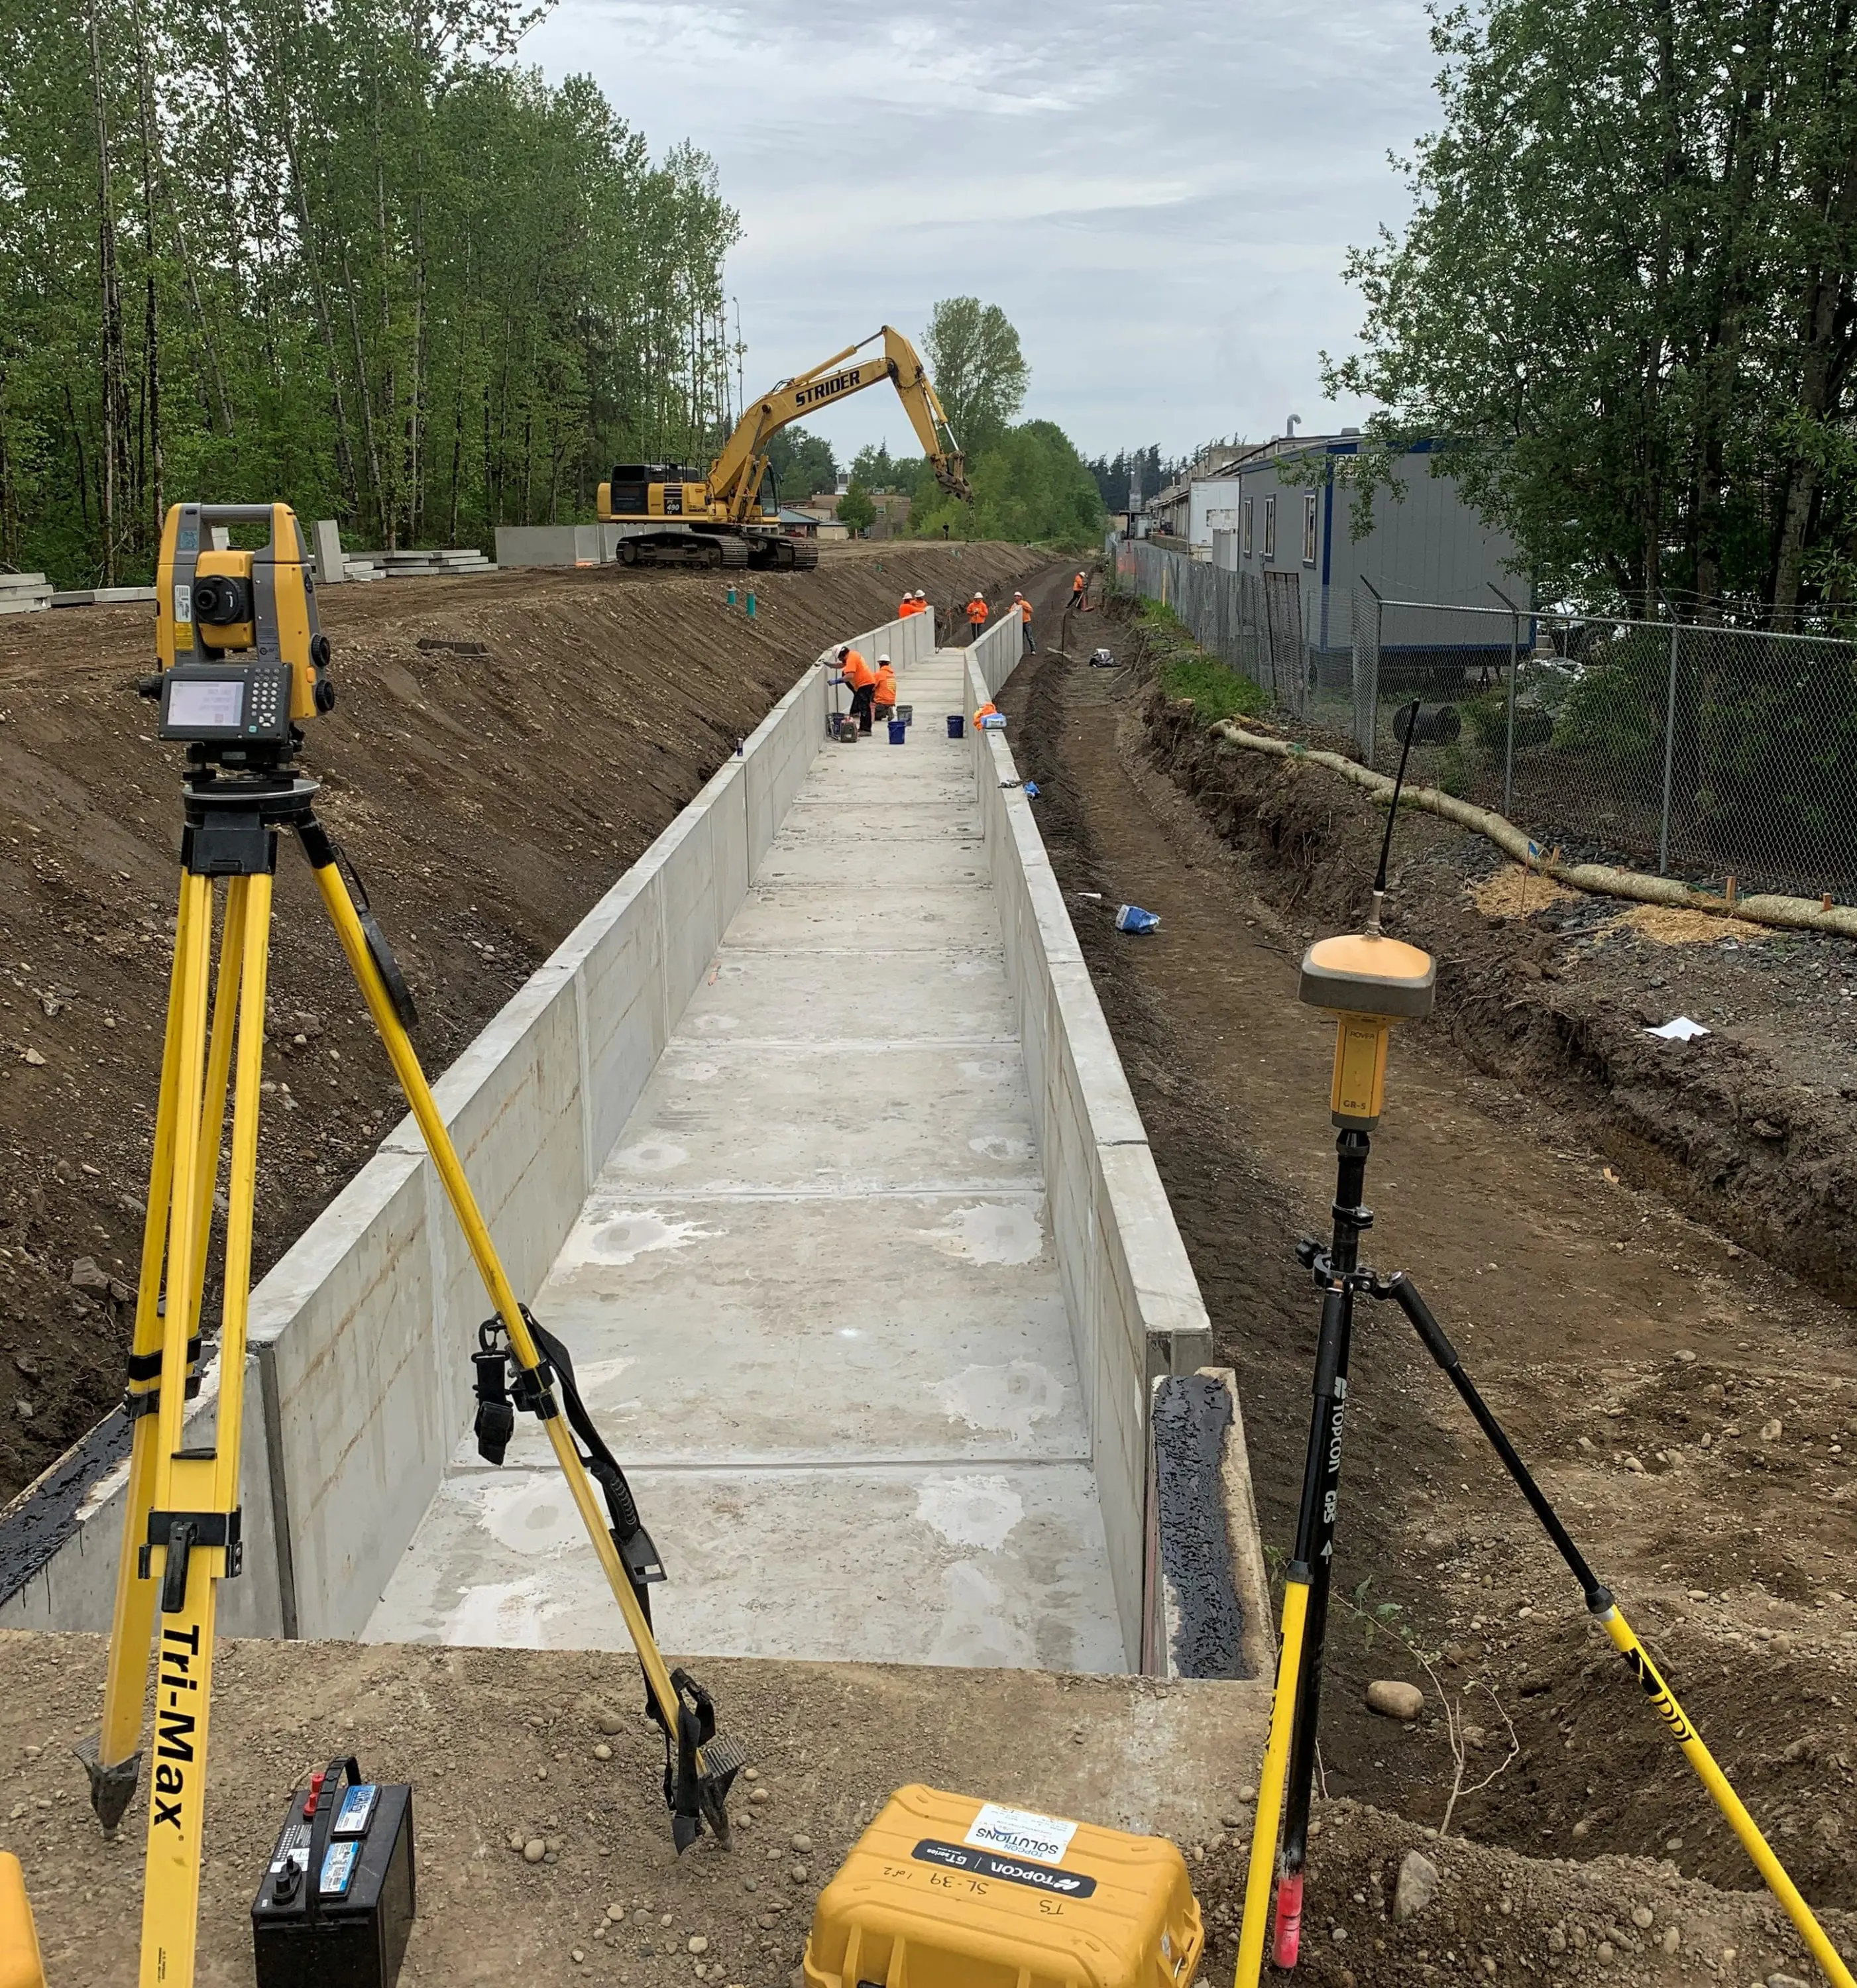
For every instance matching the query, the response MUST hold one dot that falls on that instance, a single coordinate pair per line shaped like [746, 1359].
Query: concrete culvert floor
[1690, 1406]
[813, 1296]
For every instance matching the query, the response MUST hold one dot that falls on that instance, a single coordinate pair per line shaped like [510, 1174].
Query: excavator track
[783, 555]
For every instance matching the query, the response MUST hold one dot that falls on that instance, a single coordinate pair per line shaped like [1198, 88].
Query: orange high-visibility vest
[858, 672]
[977, 612]
[1077, 585]
[1025, 610]
[886, 685]
[908, 608]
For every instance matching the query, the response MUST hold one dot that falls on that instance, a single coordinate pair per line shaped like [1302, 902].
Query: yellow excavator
[668, 515]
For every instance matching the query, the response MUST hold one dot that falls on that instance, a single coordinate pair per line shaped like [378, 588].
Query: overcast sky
[1160, 196]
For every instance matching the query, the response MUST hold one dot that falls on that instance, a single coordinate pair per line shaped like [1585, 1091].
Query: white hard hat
[920, 595]
[883, 659]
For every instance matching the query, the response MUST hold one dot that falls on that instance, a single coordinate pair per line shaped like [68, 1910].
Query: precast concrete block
[776, 756]
[359, 1426]
[623, 1029]
[704, 865]
[549, 545]
[1094, 1068]
[330, 569]
[1158, 1284]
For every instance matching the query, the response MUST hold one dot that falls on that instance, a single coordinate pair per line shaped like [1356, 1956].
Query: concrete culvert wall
[1134, 1303]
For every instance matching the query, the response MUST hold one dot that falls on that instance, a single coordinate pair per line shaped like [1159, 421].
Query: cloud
[1159, 198]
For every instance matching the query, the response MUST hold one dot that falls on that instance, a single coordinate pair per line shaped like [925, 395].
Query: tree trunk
[367, 404]
[344, 456]
[115, 450]
[150, 327]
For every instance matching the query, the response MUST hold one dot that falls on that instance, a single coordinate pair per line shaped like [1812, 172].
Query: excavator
[669, 514]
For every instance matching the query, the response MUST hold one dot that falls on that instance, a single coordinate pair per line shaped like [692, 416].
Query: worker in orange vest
[976, 616]
[883, 701]
[1077, 594]
[1025, 616]
[907, 607]
[862, 680]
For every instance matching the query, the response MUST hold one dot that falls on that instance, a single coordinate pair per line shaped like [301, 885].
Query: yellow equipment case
[944, 1891]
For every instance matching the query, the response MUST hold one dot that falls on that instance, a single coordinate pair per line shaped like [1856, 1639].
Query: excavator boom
[737, 475]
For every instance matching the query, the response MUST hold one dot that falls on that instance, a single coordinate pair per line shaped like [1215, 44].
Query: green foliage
[876, 469]
[341, 254]
[802, 464]
[855, 508]
[1030, 487]
[973, 356]
[1627, 296]
[1185, 670]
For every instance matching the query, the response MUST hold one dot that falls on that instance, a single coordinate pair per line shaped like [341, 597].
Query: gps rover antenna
[1368, 983]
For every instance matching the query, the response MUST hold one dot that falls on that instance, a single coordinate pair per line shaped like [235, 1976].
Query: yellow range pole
[1263, 1866]
[205, 1480]
[405, 1061]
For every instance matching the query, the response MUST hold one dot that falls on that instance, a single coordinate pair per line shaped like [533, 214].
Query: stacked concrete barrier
[361, 1334]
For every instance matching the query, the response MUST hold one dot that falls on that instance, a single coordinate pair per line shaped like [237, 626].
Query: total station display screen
[210, 706]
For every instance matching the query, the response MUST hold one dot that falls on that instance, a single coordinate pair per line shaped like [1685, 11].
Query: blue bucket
[898, 732]
[957, 725]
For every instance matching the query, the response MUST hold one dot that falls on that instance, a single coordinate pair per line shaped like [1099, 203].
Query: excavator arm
[736, 476]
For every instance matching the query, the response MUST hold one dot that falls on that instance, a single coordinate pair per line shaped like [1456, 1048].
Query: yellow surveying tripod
[1368, 983]
[244, 663]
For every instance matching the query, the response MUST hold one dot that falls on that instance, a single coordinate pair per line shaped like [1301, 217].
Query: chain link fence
[1692, 748]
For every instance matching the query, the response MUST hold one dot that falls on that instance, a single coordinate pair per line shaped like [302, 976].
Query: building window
[1269, 528]
[1248, 503]
[1308, 528]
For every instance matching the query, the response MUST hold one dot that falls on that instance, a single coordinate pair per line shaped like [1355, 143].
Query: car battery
[335, 1906]
[945, 1891]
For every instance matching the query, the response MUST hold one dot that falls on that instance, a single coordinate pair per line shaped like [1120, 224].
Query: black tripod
[1340, 1276]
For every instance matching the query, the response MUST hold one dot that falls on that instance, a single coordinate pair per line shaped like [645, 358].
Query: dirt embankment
[1689, 1400]
[488, 799]
[1752, 1128]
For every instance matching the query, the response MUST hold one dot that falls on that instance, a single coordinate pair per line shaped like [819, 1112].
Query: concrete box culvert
[579, 1112]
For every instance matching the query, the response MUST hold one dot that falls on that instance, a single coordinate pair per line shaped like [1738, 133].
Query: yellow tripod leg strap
[1263, 1868]
[1663, 1702]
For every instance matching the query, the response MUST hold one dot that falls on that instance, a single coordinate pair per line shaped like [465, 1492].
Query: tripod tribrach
[181, 1532]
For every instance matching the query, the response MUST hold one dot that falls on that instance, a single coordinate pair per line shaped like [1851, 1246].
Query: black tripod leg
[1399, 1287]
[1315, 1550]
